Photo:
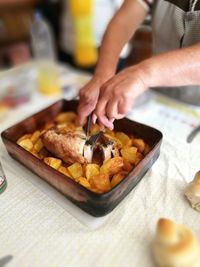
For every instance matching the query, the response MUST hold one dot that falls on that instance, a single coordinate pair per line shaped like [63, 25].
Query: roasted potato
[65, 117]
[146, 149]
[95, 128]
[100, 183]
[91, 170]
[48, 126]
[139, 157]
[124, 139]
[84, 182]
[25, 136]
[112, 137]
[112, 166]
[64, 171]
[26, 144]
[75, 170]
[35, 153]
[127, 165]
[38, 145]
[129, 154]
[53, 162]
[117, 178]
[109, 132]
[139, 143]
[35, 136]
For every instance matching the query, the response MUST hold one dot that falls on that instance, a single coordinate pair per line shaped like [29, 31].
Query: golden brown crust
[193, 192]
[64, 146]
[175, 245]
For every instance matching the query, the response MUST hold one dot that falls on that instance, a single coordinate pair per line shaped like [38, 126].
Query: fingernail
[94, 118]
[111, 127]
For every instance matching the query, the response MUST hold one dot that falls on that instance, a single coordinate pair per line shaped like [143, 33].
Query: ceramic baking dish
[93, 203]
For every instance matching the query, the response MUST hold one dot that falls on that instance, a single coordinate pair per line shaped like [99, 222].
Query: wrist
[146, 70]
[104, 75]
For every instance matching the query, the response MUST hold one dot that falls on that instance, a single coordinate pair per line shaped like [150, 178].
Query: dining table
[40, 227]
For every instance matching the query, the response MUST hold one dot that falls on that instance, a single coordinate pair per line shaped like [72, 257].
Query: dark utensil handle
[192, 135]
[88, 125]
[3, 181]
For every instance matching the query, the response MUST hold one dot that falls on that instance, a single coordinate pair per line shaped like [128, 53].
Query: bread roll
[175, 246]
[193, 192]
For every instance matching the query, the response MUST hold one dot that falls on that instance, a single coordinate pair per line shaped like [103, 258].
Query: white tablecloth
[38, 227]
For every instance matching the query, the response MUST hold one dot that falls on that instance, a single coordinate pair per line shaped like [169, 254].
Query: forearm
[118, 33]
[177, 68]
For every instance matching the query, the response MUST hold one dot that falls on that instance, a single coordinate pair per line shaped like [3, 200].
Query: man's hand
[118, 94]
[88, 97]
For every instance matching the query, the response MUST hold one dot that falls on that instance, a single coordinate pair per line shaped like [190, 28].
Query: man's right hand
[88, 97]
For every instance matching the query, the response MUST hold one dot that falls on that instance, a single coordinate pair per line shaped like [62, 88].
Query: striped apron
[176, 24]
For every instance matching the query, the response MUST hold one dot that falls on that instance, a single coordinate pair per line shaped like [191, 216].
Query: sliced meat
[90, 146]
[88, 152]
[107, 149]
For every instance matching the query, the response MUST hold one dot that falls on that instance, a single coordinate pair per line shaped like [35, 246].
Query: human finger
[83, 111]
[100, 111]
[112, 111]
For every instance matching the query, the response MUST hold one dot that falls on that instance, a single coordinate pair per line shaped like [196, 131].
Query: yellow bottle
[85, 52]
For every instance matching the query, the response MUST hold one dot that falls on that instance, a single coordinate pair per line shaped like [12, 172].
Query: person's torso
[176, 24]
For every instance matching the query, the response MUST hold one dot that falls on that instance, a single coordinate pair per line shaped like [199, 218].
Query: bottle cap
[37, 15]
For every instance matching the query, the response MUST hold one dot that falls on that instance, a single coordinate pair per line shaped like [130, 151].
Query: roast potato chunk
[118, 177]
[35, 136]
[112, 166]
[38, 145]
[75, 170]
[100, 183]
[129, 154]
[84, 182]
[91, 170]
[26, 144]
[94, 129]
[124, 139]
[64, 171]
[139, 157]
[25, 136]
[139, 143]
[65, 117]
[53, 162]
[127, 166]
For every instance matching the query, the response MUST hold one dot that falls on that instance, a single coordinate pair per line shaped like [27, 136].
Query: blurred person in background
[15, 18]
[88, 18]
[176, 63]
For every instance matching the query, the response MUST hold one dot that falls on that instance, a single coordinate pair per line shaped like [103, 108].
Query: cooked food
[75, 170]
[175, 246]
[88, 151]
[118, 178]
[193, 192]
[92, 170]
[53, 162]
[98, 163]
[124, 139]
[139, 143]
[129, 154]
[90, 146]
[100, 183]
[25, 143]
[112, 166]
[68, 146]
